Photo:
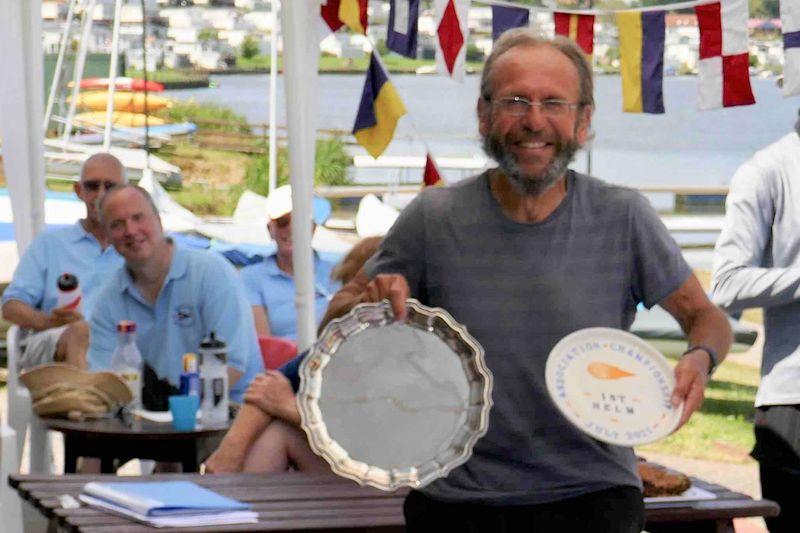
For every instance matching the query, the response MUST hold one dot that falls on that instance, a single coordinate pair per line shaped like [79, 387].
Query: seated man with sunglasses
[51, 333]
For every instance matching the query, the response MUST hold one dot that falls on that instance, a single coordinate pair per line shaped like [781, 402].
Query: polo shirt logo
[184, 316]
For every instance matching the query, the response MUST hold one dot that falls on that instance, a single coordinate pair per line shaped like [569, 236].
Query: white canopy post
[300, 61]
[21, 114]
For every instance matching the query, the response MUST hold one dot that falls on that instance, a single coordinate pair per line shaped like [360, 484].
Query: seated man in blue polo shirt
[51, 333]
[176, 296]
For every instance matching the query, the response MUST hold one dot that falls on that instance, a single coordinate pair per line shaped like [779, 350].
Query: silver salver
[393, 404]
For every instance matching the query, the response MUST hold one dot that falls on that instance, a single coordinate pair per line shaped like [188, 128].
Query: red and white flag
[790, 26]
[431, 175]
[724, 68]
[451, 37]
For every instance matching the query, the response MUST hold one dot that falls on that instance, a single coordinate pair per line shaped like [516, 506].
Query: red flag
[431, 175]
[579, 28]
[330, 13]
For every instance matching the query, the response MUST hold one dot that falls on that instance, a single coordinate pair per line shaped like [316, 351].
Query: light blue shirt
[201, 294]
[270, 287]
[54, 252]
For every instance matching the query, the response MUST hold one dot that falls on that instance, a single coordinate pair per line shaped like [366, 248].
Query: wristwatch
[712, 354]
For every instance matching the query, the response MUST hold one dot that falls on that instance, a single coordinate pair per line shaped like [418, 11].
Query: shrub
[331, 165]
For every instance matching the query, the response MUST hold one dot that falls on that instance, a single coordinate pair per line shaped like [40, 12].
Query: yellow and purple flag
[641, 50]
[378, 112]
[354, 14]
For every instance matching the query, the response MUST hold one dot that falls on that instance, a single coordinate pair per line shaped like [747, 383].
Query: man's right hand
[64, 315]
[392, 287]
[360, 289]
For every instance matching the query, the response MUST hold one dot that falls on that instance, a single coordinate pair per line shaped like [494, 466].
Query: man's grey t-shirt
[519, 289]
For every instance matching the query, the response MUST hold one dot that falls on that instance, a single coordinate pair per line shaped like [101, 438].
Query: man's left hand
[272, 393]
[691, 375]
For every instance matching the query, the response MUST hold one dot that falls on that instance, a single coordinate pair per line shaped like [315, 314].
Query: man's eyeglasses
[517, 106]
[94, 185]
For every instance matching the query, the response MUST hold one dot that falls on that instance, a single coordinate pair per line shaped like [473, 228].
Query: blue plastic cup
[184, 411]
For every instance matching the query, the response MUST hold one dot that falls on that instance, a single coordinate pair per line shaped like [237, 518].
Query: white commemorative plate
[613, 386]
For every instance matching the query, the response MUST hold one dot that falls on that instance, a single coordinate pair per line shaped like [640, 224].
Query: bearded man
[523, 255]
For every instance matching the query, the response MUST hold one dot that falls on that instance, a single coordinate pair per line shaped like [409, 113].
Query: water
[683, 146]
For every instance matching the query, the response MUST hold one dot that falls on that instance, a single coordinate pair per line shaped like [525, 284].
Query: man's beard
[530, 184]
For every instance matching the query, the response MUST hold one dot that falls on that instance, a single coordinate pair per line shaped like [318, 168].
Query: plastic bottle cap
[126, 326]
[212, 342]
[67, 282]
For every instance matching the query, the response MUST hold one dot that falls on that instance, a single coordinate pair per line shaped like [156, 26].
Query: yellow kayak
[120, 118]
[123, 101]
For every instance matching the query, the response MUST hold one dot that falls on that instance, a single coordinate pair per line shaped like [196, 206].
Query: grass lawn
[723, 429]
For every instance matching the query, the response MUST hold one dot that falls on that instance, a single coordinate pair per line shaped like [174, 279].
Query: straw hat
[58, 389]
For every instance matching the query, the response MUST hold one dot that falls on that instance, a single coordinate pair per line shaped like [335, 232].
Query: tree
[207, 34]
[249, 48]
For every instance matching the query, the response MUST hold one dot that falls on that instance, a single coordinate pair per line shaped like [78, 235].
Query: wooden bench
[313, 502]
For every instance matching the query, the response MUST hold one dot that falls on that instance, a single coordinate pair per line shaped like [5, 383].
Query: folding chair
[20, 414]
[276, 351]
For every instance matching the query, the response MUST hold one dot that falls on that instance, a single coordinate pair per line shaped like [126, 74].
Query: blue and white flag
[401, 33]
[505, 18]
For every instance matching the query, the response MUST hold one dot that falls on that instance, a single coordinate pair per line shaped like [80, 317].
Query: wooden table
[112, 441]
[313, 502]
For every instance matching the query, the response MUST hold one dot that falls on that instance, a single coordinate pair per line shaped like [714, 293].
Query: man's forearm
[711, 328]
[248, 425]
[25, 316]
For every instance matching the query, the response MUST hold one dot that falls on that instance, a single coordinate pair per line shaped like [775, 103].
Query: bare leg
[279, 446]
[73, 345]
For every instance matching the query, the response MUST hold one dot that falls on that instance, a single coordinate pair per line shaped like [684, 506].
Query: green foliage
[331, 166]
[474, 53]
[249, 48]
[205, 115]
[257, 62]
[208, 34]
[767, 9]
[204, 200]
[381, 48]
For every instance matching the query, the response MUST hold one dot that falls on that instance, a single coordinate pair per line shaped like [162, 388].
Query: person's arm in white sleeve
[740, 279]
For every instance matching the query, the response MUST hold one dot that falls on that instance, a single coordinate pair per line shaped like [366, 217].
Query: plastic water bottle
[213, 381]
[69, 292]
[127, 360]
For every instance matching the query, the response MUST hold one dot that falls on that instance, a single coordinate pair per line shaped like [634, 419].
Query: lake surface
[684, 146]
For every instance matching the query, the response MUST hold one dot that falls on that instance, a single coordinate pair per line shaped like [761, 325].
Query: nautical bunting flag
[505, 18]
[379, 110]
[790, 24]
[431, 175]
[401, 33]
[641, 49]
[724, 68]
[451, 32]
[579, 28]
[354, 14]
[330, 14]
